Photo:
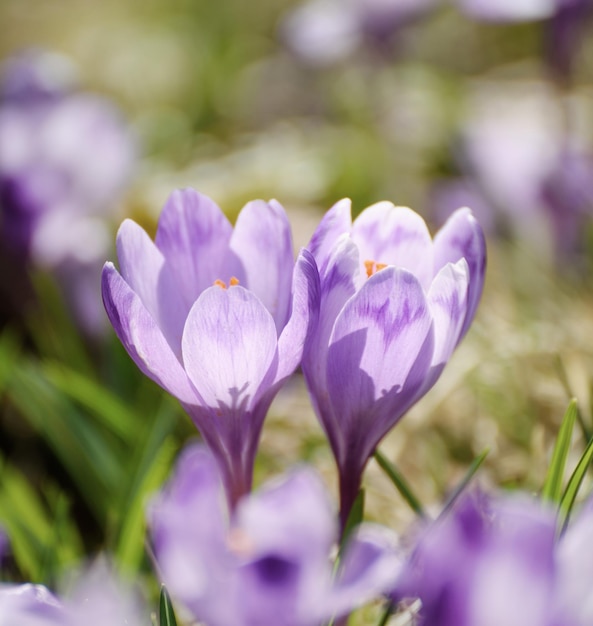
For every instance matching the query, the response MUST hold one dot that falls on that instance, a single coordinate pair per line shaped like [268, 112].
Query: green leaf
[473, 468]
[574, 484]
[400, 483]
[552, 490]
[111, 411]
[166, 612]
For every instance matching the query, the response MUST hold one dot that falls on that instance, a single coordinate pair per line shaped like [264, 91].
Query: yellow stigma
[232, 282]
[372, 267]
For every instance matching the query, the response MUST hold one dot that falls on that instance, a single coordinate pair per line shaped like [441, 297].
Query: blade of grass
[552, 490]
[400, 483]
[166, 612]
[573, 485]
[473, 468]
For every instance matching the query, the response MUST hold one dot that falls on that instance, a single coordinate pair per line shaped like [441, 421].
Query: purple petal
[380, 351]
[395, 236]
[338, 284]
[141, 336]
[143, 267]
[290, 528]
[294, 517]
[447, 300]
[303, 316]
[369, 568]
[335, 223]
[193, 235]
[29, 605]
[230, 348]
[462, 238]
[189, 525]
[263, 242]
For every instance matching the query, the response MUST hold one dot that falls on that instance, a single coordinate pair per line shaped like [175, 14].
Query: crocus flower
[65, 157]
[207, 312]
[394, 304]
[267, 563]
[498, 560]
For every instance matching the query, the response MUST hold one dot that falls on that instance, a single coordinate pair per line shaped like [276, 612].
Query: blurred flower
[268, 562]
[394, 305]
[497, 560]
[507, 10]
[325, 31]
[97, 599]
[322, 32]
[534, 178]
[65, 156]
[207, 312]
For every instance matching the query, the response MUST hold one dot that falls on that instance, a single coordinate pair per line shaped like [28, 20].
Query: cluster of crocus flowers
[500, 560]
[268, 561]
[220, 317]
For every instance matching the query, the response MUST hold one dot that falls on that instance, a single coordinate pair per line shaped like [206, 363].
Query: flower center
[232, 282]
[372, 267]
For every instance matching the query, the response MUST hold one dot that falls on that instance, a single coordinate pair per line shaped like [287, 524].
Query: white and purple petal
[380, 352]
[144, 268]
[193, 235]
[230, 348]
[395, 236]
[262, 241]
[142, 337]
[462, 238]
[335, 223]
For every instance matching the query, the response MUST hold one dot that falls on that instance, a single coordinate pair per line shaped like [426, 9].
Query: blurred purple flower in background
[97, 598]
[394, 305]
[268, 563]
[523, 168]
[217, 316]
[323, 32]
[494, 561]
[65, 157]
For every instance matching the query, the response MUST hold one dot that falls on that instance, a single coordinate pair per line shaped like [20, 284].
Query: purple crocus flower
[487, 562]
[498, 560]
[268, 561]
[207, 312]
[394, 305]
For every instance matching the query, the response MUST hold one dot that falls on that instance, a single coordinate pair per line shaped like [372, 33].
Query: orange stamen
[234, 281]
[372, 267]
[220, 284]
